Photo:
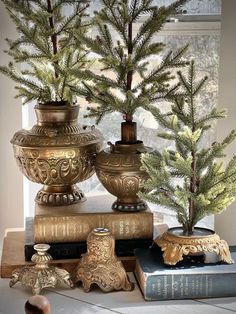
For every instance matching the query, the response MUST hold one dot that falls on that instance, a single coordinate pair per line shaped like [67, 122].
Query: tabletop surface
[73, 301]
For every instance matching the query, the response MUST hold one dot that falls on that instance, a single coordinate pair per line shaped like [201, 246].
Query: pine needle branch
[128, 57]
[48, 46]
[202, 186]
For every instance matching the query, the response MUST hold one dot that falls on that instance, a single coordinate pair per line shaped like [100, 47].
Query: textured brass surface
[118, 169]
[58, 153]
[100, 265]
[41, 275]
[176, 246]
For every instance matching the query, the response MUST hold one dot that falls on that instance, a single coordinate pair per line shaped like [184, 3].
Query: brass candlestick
[100, 264]
[41, 275]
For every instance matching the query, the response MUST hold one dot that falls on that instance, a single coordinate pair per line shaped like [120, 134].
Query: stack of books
[186, 280]
[66, 228]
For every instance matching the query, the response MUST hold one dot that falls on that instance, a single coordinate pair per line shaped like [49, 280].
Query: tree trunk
[188, 230]
[129, 132]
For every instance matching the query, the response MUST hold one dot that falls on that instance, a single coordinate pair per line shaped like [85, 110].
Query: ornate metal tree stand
[175, 245]
[41, 275]
[100, 265]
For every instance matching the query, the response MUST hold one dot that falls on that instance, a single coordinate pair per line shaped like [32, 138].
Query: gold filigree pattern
[55, 167]
[119, 171]
[58, 153]
[118, 160]
[55, 137]
[176, 246]
[100, 264]
[41, 275]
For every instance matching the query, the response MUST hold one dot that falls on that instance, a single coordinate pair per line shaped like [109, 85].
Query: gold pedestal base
[41, 275]
[175, 245]
[100, 265]
[60, 195]
[129, 207]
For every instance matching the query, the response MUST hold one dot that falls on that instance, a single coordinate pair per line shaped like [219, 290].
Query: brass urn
[119, 169]
[57, 152]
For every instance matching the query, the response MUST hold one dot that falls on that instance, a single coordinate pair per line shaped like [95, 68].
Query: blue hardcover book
[186, 280]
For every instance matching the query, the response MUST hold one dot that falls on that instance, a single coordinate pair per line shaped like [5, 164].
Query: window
[196, 7]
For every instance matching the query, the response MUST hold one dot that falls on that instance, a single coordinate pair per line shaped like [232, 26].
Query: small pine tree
[48, 46]
[128, 57]
[189, 179]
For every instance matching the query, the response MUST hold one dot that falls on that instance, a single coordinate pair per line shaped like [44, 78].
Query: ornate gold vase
[118, 169]
[100, 265]
[57, 152]
[175, 245]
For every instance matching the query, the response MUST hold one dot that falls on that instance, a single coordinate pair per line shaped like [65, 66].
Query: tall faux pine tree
[192, 181]
[128, 82]
[47, 47]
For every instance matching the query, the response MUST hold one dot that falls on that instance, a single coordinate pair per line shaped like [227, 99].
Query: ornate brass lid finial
[41, 275]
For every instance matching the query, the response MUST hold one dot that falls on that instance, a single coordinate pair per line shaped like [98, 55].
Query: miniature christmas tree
[48, 46]
[189, 179]
[127, 58]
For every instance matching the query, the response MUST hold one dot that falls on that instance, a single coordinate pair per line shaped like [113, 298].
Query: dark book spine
[59, 250]
[186, 286]
[73, 250]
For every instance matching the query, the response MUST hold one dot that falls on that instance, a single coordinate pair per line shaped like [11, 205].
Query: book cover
[73, 223]
[186, 280]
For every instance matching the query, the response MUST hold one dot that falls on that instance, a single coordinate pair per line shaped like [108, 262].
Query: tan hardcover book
[73, 223]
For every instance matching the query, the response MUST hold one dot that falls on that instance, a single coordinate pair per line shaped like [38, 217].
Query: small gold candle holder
[100, 264]
[41, 275]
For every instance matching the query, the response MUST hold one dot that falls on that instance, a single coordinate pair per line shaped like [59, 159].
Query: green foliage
[128, 57]
[47, 47]
[190, 180]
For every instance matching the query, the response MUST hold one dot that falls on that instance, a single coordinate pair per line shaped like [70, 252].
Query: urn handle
[112, 146]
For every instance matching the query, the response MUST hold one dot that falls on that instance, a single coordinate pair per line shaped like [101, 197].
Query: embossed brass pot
[57, 152]
[175, 245]
[118, 169]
